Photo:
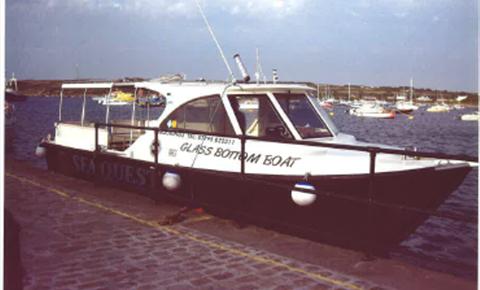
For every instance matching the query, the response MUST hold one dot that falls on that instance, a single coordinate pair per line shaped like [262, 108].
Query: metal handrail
[404, 152]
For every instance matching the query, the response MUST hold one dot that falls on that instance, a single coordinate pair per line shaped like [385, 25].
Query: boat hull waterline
[340, 213]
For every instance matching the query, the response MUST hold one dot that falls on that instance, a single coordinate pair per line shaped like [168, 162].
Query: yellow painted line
[189, 236]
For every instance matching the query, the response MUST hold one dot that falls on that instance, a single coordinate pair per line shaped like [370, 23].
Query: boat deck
[75, 235]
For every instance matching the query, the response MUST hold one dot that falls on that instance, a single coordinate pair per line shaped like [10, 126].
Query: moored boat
[439, 108]
[281, 163]
[470, 117]
[424, 99]
[12, 94]
[406, 107]
[116, 98]
[372, 110]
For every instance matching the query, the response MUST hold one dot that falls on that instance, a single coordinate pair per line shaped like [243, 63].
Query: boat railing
[373, 151]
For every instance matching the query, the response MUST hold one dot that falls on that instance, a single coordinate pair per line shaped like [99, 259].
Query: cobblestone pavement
[78, 236]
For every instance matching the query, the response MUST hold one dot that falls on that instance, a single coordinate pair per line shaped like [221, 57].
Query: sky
[367, 42]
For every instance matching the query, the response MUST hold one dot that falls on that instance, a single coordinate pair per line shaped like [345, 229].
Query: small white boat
[461, 98]
[470, 117]
[326, 104]
[372, 110]
[249, 105]
[440, 108]
[424, 99]
[405, 107]
[111, 102]
[400, 98]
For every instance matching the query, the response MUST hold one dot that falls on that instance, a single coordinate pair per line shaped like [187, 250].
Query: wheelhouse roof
[195, 88]
[180, 92]
[205, 88]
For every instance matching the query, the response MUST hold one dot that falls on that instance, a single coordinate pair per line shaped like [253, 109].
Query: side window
[203, 115]
[257, 117]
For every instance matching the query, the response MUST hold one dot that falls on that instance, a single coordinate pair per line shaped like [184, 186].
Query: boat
[248, 105]
[11, 91]
[348, 101]
[400, 98]
[424, 99]
[470, 117]
[461, 98]
[326, 104]
[439, 108]
[151, 101]
[112, 102]
[282, 164]
[123, 96]
[372, 110]
[406, 107]
[116, 98]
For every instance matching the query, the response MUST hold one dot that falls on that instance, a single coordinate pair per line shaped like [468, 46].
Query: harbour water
[440, 244]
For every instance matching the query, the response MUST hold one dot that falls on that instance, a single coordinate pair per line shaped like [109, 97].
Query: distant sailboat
[407, 107]
[440, 108]
[11, 91]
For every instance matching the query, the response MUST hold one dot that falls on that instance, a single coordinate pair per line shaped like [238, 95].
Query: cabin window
[257, 117]
[303, 115]
[205, 115]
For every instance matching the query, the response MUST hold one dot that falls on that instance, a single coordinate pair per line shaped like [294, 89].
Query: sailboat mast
[411, 90]
[349, 92]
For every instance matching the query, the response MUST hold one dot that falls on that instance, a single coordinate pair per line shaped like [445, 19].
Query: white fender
[171, 181]
[300, 196]
[40, 151]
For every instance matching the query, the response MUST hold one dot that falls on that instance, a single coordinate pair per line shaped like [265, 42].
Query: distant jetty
[51, 88]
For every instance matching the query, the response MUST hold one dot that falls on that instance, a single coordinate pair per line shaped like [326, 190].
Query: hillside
[52, 88]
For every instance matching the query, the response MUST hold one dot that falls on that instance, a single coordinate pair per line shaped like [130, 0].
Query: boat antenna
[232, 77]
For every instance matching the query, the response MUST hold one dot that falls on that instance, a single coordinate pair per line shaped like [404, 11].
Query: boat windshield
[307, 116]
[257, 117]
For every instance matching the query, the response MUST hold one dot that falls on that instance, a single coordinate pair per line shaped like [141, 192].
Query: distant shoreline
[51, 88]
